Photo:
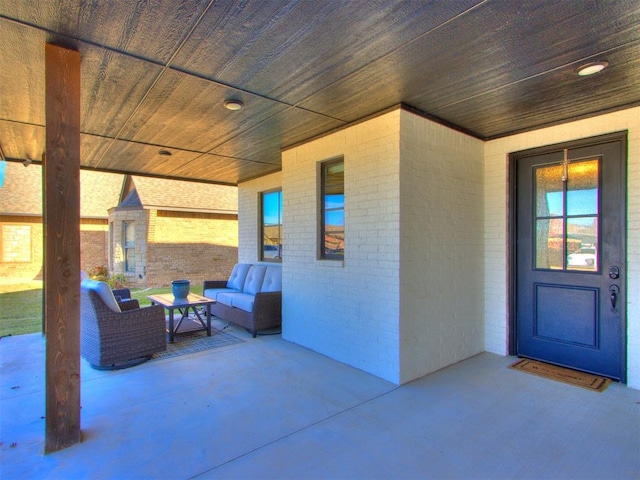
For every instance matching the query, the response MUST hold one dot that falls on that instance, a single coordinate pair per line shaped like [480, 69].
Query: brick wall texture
[93, 247]
[176, 245]
[93, 244]
[441, 246]
[23, 269]
[197, 248]
[413, 242]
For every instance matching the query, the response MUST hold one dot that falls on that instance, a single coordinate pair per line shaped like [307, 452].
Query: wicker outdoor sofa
[118, 334]
[251, 297]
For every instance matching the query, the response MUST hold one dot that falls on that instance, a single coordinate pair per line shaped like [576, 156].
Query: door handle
[614, 290]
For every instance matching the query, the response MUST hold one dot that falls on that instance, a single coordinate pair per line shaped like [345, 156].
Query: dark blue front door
[570, 256]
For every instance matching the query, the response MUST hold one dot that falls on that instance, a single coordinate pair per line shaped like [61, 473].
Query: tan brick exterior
[195, 246]
[117, 219]
[93, 247]
[21, 205]
[93, 243]
[176, 245]
[21, 269]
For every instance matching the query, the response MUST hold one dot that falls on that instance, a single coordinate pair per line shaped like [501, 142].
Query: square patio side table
[169, 302]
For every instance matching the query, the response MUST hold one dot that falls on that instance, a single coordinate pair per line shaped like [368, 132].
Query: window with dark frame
[271, 226]
[111, 249]
[129, 242]
[332, 210]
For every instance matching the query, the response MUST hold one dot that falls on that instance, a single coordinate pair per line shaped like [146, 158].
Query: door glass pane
[567, 216]
[550, 243]
[549, 191]
[582, 188]
[582, 243]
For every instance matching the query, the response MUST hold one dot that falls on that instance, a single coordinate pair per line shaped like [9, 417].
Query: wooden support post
[62, 247]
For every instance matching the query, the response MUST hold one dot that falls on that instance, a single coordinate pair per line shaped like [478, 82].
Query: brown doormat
[561, 374]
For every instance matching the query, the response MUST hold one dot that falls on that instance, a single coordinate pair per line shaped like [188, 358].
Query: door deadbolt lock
[614, 272]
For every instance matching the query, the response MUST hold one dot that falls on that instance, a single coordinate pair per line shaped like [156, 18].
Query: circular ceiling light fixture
[591, 68]
[164, 153]
[233, 105]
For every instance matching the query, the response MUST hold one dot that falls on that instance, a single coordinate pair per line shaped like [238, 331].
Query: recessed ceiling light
[233, 105]
[591, 68]
[164, 153]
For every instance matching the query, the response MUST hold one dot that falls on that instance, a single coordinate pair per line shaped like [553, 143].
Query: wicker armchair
[118, 335]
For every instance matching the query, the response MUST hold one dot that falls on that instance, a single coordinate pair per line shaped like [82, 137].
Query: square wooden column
[62, 247]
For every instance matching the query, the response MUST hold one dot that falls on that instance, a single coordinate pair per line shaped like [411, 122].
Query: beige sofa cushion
[238, 276]
[253, 282]
[272, 281]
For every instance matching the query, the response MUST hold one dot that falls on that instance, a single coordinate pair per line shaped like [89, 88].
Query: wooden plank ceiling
[155, 75]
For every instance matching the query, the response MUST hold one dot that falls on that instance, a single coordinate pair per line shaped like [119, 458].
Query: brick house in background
[21, 231]
[176, 229]
[163, 230]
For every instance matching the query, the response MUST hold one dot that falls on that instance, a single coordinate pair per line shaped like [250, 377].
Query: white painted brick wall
[346, 311]
[496, 224]
[441, 246]
[352, 312]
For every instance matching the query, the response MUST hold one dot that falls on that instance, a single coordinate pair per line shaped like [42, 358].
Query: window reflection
[129, 242]
[549, 243]
[272, 226]
[549, 189]
[582, 251]
[582, 188]
[567, 216]
[332, 234]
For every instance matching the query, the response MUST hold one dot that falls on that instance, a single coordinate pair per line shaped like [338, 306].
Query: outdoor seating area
[215, 414]
[116, 333]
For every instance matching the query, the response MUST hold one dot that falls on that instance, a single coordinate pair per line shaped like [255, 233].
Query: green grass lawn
[20, 308]
[21, 305]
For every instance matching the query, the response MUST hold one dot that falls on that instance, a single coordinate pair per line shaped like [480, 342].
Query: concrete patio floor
[269, 409]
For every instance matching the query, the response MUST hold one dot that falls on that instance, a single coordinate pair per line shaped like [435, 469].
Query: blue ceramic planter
[180, 289]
